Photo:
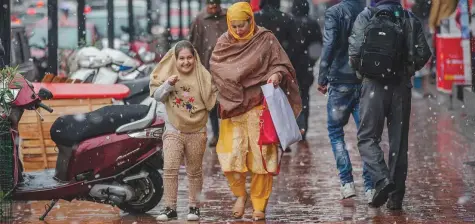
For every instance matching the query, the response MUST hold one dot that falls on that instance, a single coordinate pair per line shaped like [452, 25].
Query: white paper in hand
[282, 115]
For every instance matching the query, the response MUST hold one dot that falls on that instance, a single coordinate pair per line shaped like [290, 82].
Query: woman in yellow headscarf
[245, 58]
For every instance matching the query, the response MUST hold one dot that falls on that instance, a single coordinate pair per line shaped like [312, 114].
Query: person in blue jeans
[343, 86]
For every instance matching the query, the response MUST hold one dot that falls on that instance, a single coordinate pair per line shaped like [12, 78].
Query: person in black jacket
[309, 36]
[343, 91]
[280, 23]
[382, 100]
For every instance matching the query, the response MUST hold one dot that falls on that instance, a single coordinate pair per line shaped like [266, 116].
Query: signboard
[450, 62]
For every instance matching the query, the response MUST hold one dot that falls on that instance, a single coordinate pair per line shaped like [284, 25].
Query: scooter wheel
[153, 186]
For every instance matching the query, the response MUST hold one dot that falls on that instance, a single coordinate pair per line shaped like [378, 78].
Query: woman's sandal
[258, 216]
[239, 207]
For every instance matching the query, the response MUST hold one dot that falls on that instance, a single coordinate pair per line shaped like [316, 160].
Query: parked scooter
[111, 155]
[109, 66]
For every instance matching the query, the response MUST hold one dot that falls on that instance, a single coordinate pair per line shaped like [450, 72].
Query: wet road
[440, 186]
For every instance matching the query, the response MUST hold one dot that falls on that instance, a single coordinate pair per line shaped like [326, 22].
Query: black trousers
[302, 119]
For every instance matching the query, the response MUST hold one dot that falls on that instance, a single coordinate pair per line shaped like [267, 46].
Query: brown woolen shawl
[239, 69]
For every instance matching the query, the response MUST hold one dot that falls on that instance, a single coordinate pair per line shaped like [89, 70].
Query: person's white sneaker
[348, 190]
[369, 195]
[167, 214]
[194, 214]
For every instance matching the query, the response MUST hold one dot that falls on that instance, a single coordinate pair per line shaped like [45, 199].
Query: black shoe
[213, 142]
[194, 214]
[383, 188]
[167, 214]
[393, 205]
[288, 149]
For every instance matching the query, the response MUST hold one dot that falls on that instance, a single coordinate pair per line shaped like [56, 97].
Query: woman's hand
[173, 80]
[275, 79]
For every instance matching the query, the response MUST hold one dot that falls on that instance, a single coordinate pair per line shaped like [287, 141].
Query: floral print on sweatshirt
[184, 100]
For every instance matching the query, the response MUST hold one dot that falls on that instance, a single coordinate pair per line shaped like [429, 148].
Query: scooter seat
[69, 130]
[137, 86]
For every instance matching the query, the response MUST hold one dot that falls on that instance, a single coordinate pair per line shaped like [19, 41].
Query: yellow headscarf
[241, 11]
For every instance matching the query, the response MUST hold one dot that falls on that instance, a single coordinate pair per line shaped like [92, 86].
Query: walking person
[343, 86]
[183, 84]
[387, 46]
[205, 30]
[255, 57]
[309, 35]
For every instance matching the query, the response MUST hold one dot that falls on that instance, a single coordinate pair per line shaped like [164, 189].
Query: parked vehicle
[20, 54]
[109, 66]
[113, 161]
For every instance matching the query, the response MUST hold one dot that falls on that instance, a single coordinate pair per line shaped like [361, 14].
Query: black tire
[152, 199]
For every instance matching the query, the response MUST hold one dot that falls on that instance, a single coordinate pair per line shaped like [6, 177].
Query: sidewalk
[440, 187]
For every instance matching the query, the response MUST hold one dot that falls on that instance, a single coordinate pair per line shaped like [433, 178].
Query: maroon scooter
[111, 155]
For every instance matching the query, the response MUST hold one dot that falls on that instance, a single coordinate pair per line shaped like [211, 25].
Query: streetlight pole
[5, 32]
[168, 20]
[81, 23]
[131, 21]
[52, 36]
[180, 11]
[110, 23]
[149, 16]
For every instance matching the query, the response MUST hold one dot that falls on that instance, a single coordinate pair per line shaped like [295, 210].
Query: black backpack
[383, 46]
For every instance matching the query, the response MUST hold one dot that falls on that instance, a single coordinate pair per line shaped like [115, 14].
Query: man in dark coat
[309, 36]
[343, 86]
[208, 26]
[280, 23]
[389, 100]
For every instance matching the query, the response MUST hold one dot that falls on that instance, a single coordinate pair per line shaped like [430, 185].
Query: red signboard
[450, 67]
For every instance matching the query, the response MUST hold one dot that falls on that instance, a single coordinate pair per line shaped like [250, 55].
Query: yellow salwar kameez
[240, 65]
[239, 152]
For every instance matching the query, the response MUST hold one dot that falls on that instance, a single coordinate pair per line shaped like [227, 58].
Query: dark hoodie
[309, 35]
[280, 23]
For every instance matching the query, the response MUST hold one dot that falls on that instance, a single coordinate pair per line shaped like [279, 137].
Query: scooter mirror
[45, 94]
[148, 57]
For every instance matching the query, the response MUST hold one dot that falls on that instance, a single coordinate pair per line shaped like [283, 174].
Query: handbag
[268, 135]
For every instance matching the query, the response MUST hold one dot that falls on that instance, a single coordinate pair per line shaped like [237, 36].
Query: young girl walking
[182, 83]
